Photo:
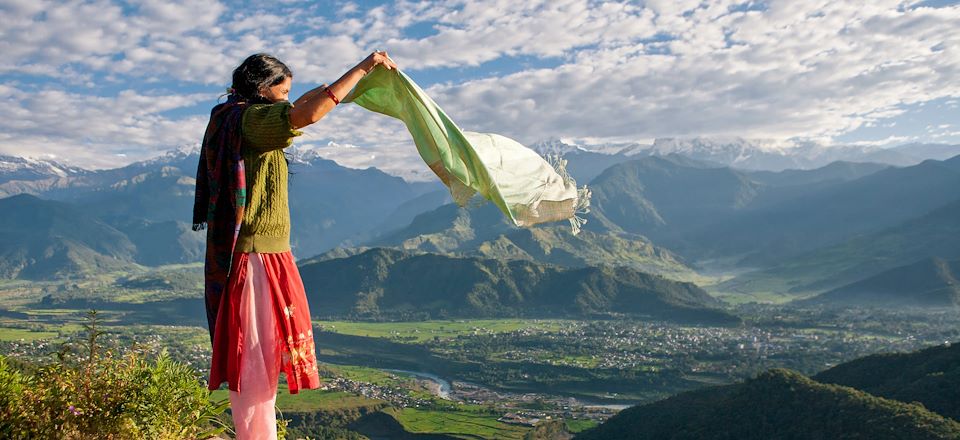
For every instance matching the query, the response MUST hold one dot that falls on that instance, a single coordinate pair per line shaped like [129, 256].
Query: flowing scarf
[220, 197]
[527, 188]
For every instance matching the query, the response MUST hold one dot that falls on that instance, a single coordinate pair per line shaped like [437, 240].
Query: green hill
[484, 232]
[784, 227]
[930, 282]
[778, 403]
[930, 376]
[163, 242]
[554, 244]
[663, 197]
[837, 171]
[385, 281]
[935, 233]
[42, 239]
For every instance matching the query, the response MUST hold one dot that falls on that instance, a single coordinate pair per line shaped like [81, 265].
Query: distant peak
[11, 165]
[178, 153]
[555, 146]
[563, 146]
[300, 154]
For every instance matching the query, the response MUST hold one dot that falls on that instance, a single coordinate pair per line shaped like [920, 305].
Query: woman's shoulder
[268, 109]
[268, 125]
[278, 104]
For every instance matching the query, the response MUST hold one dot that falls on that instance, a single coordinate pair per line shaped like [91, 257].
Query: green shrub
[101, 395]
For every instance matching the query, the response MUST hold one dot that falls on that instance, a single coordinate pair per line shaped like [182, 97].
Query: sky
[100, 84]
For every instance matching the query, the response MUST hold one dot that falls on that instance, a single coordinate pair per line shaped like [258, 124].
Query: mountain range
[682, 214]
[42, 239]
[330, 205]
[802, 232]
[930, 282]
[747, 154]
[932, 234]
[885, 396]
[483, 231]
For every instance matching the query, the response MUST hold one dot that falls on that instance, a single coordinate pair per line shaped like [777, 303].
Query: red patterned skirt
[294, 332]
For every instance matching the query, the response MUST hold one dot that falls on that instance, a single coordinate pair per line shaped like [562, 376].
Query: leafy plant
[102, 395]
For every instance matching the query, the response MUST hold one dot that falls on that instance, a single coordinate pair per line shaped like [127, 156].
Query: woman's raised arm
[316, 103]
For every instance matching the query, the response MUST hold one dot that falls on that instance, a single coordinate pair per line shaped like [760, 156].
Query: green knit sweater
[266, 219]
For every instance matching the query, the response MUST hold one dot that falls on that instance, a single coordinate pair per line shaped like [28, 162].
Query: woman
[256, 305]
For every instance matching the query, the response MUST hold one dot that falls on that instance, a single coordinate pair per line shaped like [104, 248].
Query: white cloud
[627, 71]
[92, 130]
[470, 33]
[793, 71]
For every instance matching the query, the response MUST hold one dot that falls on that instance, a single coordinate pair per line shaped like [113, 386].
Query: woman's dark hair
[258, 71]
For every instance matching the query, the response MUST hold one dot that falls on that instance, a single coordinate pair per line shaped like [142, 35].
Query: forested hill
[390, 281]
[882, 396]
[42, 238]
[778, 403]
[929, 282]
[930, 376]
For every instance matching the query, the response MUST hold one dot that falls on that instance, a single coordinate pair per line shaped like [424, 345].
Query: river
[444, 386]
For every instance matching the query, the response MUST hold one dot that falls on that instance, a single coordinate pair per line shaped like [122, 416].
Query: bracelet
[332, 96]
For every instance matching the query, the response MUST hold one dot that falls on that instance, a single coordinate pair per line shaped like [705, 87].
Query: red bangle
[332, 96]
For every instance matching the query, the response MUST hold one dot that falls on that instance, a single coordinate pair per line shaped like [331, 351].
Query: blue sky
[104, 83]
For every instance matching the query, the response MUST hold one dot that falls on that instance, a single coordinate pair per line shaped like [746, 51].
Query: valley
[580, 371]
[693, 281]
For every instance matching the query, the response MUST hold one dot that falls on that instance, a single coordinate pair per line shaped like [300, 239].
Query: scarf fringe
[581, 207]
[582, 204]
[461, 194]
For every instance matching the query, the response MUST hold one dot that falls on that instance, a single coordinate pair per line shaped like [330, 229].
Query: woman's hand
[377, 57]
[314, 104]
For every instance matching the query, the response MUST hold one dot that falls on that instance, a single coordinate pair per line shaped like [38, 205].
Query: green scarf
[526, 187]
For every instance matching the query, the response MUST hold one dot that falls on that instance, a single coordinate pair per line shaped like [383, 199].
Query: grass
[319, 400]
[17, 329]
[764, 297]
[129, 296]
[368, 375]
[426, 330]
[17, 334]
[579, 425]
[463, 424]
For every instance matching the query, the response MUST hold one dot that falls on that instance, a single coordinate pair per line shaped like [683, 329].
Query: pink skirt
[291, 345]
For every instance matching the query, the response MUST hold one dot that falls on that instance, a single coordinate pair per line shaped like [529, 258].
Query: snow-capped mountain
[772, 156]
[25, 168]
[556, 146]
[733, 151]
[172, 156]
[566, 146]
[301, 155]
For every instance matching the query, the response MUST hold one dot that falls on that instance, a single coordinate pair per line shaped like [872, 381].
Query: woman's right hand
[377, 57]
